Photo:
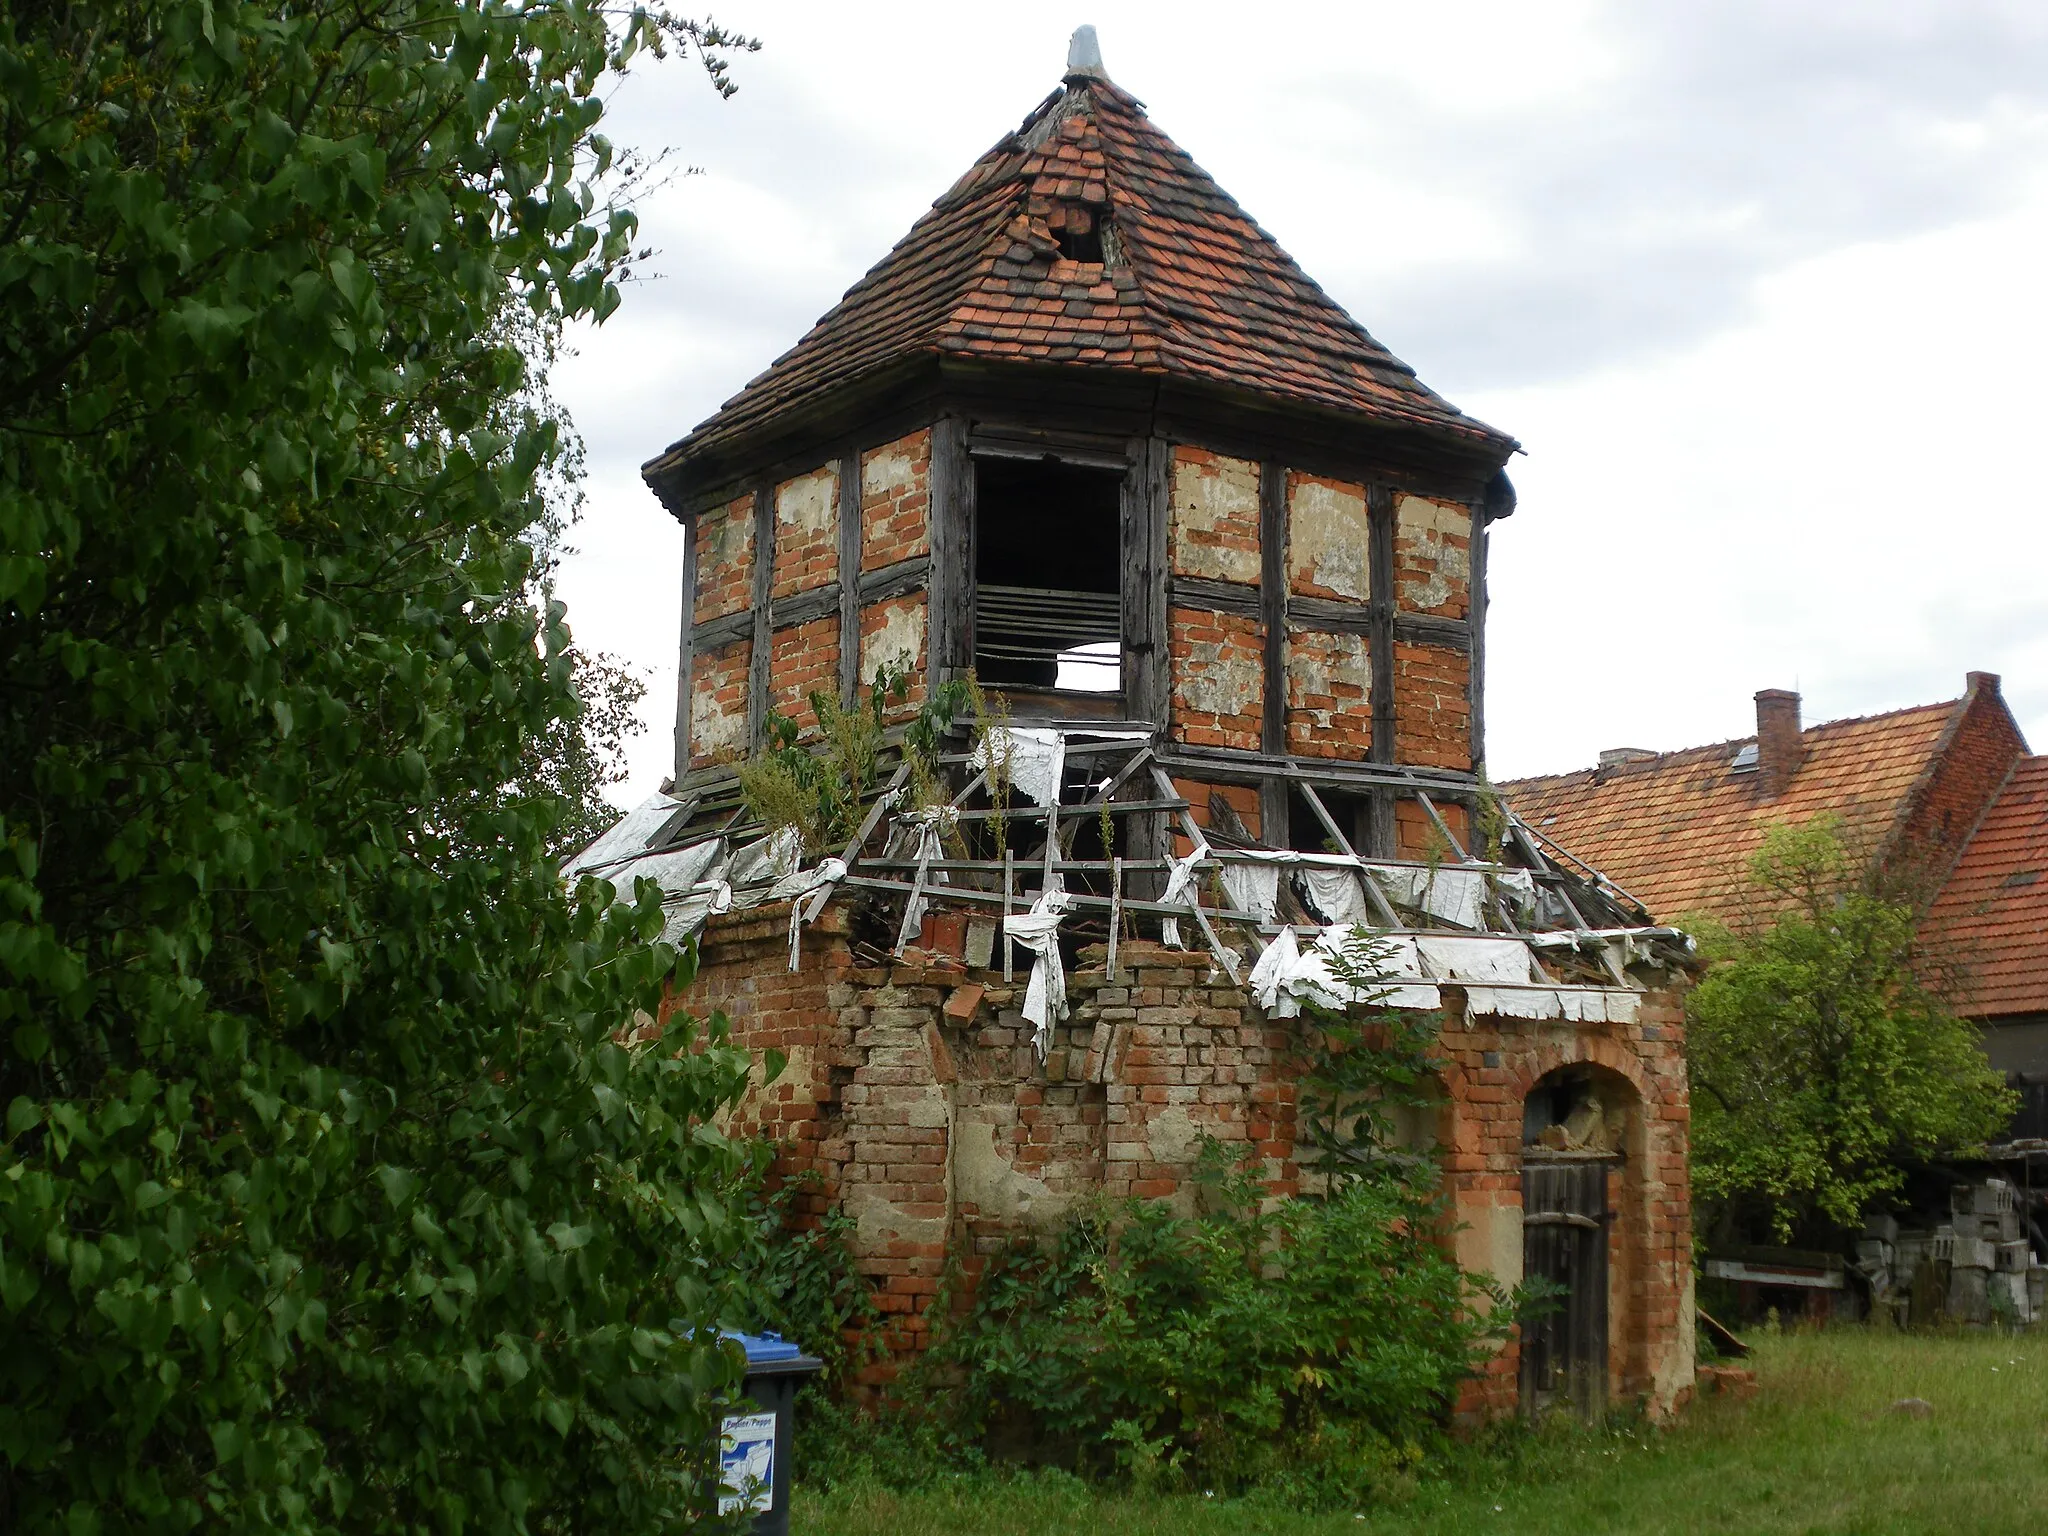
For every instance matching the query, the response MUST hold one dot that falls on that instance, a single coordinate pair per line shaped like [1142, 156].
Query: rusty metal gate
[1564, 1240]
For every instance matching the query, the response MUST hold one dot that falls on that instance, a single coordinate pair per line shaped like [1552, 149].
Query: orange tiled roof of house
[1991, 917]
[1182, 282]
[1676, 830]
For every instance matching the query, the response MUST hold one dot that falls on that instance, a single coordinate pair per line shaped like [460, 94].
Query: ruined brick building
[1090, 434]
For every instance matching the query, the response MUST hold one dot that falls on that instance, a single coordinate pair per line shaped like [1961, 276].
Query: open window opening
[1046, 606]
[1078, 229]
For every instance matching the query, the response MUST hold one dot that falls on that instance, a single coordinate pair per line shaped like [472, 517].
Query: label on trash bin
[746, 1463]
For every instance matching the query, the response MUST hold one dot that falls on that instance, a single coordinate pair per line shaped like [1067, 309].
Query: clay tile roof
[1991, 917]
[1190, 286]
[1676, 831]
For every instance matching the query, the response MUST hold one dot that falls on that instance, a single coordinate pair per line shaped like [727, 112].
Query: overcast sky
[1759, 288]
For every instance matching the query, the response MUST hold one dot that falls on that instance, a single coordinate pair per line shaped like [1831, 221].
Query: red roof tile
[1676, 831]
[1191, 287]
[1991, 918]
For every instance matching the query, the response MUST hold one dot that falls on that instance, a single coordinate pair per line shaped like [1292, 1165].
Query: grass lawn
[1815, 1452]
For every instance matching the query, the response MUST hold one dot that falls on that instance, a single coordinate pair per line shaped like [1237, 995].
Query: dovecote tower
[1090, 432]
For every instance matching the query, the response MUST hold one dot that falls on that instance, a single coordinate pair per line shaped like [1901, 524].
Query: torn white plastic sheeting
[624, 840]
[1455, 893]
[807, 891]
[1490, 958]
[1031, 759]
[930, 826]
[1180, 888]
[1579, 1005]
[1045, 998]
[1517, 889]
[1337, 895]
[1253, 888]
[1286, 975]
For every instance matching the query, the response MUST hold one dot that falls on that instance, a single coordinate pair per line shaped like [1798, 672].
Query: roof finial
[1084, 55]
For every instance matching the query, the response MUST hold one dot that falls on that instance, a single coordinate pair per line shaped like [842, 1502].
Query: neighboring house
[1089, 432]
[1942, 798]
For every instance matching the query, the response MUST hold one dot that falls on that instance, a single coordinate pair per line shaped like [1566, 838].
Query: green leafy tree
[331, 1196]
[1822, 1063]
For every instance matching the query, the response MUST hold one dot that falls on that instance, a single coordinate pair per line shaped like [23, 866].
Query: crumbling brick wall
[1432, 556]
[718, 704]
[914, 1101]
[1219, 679]
[895, 501]
[1329, 694]
[1329, 542]
[806, 533]
[1213, 531]
[805, 660]
[1432, 706]
[725, 559]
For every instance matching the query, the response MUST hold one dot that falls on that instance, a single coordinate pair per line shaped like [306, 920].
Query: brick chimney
[1779, 747]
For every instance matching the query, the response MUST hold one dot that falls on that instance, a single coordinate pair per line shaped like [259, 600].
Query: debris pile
[1977, 1267]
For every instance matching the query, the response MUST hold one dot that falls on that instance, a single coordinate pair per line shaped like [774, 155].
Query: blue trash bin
[754, 1450]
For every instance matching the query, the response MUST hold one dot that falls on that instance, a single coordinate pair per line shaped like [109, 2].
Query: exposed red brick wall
[806, 532]
[805, 660]
[1214, 529]
[718, 704]
[895, 501]
[935, 1133]
[1432, 706]
[1218, 674]
[1433, 556]
[1978, 753]
[1329, 694]
[1328, 539]
[1416, 836]
[725, 559]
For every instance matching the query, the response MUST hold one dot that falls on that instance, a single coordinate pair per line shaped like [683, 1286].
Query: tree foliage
[330, 1198]
[1822, 1062]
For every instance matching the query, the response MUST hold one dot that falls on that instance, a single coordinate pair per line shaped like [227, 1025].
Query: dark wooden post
[849, 577]
[1273, 815]
[686, 653]
[1379, 502]
[1144, 505]
[764, 625]
[949, 622]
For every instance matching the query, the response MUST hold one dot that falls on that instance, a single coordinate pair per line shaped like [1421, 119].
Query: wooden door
[1564, 1240]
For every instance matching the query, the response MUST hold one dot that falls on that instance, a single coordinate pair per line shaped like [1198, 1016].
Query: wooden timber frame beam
[1273, 797]
[686, 654]
[1378, 832]
[949, 619]
[850, 532]
[764, 621]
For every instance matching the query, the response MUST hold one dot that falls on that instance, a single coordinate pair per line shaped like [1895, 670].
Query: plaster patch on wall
[989, 1181]
[1328, 543]
[809, 503]
[1219, 679]
[1433, 536]
[1173, 1136]
[1215, 517]
[880, 1222]
[1330, 675]
[899, 638]
[886, 470]
[718, 708]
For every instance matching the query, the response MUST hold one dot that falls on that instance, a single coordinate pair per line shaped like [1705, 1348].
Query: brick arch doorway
[1577, 1123]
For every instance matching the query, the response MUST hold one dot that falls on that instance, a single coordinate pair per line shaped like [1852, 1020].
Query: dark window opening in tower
[1078, 229]
[1046, 610]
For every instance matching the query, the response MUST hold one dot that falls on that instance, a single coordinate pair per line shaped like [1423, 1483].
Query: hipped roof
[1191, 289]
[1676, 831]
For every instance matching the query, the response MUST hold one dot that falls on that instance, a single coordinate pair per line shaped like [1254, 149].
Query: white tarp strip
[1253, 888]
[1030, 759]
[807, 892]
[1180, 887]
[1454, 957]
[1336, 895]
[1045, 998]
[1455, 893]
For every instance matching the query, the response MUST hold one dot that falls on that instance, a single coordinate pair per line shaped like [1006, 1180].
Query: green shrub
[1315, 1342]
